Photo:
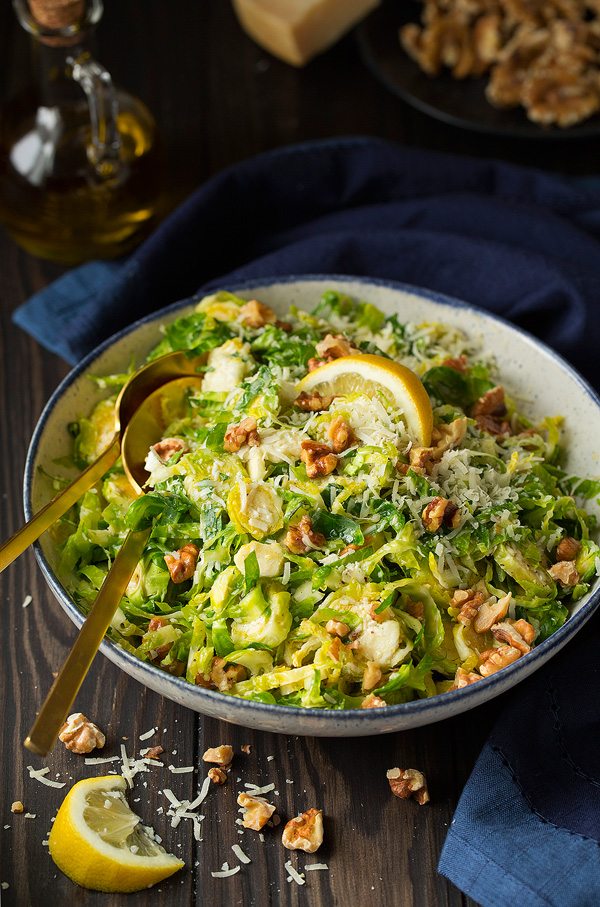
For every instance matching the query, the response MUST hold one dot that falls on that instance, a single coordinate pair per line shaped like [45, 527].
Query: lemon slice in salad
[99, 843]
[369, 374]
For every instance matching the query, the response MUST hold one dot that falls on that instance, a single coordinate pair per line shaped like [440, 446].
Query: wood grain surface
[218, 98]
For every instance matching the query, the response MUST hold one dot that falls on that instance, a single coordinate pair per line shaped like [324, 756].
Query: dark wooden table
[218, 98]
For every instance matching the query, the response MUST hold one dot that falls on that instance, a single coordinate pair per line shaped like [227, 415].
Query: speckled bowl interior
[542, 381]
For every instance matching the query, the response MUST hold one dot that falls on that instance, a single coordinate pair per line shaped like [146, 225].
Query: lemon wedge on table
[369, 374]
[99, 843]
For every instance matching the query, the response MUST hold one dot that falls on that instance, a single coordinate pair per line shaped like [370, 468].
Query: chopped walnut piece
[168, 447]
[341, 435]
[448, 435]
[408, 782]
[440, 512]
[565, 573]
[80, 735]
[459, 364]
[567, 549]
[225, 675]
[182, 563]
[334, 347]
[348, 549]
[415, 609]
[222, 755]
[373, 702]
[304, 832]
[506, 632]
[337, 628]
[319, 459]
[257, 811]
[154, 752]
[490, 612]
[255, 314]
[526, 629]
[420, 458]
[302, 537]
[313, 402]
[491, 403]
[217, 775]
[372, 676]
[560, 94]
[469, 601]
[489, 410]
[464, 679]
[493, 660]
[246, 748]
[314, 363]
[17, 807]
[239, 435]
[155, 623]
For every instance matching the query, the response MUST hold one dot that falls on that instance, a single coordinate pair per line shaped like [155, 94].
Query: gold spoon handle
[59, 700]
[23, 538]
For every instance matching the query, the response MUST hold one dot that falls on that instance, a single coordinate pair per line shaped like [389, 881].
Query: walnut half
[182, 563]
[80, 735]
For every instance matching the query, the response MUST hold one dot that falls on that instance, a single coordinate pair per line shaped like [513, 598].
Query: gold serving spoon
[146, 380]
[144, 427]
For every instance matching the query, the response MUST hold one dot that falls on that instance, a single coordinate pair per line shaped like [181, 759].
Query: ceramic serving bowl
[531, 371]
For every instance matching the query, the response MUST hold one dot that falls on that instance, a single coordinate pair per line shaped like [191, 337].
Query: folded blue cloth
[520, 243]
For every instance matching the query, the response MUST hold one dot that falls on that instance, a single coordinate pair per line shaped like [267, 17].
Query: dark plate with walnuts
[458, 102]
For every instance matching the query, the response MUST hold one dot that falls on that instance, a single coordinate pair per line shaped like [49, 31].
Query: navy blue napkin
[518, 242]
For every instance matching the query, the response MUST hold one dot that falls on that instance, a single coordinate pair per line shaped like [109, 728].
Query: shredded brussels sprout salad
[305, 550]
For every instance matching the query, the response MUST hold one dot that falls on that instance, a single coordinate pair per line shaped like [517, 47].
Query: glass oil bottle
[81, 169]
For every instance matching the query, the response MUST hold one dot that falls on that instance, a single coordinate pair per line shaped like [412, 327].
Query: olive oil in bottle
[81, 169]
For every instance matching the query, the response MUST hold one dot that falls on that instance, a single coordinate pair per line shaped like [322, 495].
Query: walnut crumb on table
[257, 811]
[304, 832]
[221, 755]
[408, 782]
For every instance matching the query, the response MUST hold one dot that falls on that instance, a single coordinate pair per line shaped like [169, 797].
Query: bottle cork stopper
[57, 13]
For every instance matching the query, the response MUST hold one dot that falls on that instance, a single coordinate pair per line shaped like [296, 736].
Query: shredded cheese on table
[39, 774]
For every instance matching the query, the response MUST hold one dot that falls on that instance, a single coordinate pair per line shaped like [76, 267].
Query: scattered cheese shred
[99, 760]
[181, 770]
[27, 601]
[38, 774]
[293, 874]
[311, 866]
[148, 734]
[225, 873]
[240, 853]
[254, 789]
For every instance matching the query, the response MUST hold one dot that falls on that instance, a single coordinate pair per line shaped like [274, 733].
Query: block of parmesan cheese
[297, 30]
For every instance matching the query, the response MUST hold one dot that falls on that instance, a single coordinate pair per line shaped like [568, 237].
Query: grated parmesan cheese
[148, 734]
[311, 866]
[27, 601]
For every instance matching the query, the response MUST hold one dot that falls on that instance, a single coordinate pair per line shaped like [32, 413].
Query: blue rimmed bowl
[545, 383]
